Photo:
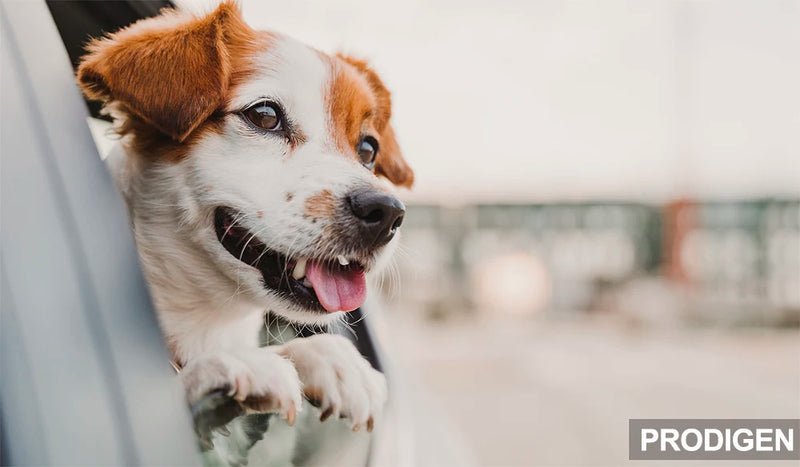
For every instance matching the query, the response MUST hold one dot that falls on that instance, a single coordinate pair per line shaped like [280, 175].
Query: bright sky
[552, 99]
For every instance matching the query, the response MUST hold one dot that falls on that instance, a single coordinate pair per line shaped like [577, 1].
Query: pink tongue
[338, 289]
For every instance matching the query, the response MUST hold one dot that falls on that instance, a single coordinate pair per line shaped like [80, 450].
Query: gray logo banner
[713, 439]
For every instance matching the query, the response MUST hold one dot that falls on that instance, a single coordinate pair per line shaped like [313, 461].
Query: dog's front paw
[260, 381]
[337, 379]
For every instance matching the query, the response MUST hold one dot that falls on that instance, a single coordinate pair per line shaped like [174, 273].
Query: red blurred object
[679, 218]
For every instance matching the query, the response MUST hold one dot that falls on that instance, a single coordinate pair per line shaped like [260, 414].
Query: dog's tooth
[306, 282]
[300, 269]
[342, 260]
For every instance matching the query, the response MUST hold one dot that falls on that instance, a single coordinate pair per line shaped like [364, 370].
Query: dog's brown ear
[389, 162]
[171, 71]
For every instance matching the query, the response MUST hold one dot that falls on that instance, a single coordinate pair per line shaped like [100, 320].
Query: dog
[259, 177]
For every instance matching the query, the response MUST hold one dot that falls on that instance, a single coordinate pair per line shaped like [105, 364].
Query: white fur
[239, 372]
[210, 305]
[349, 385]
[172, 206]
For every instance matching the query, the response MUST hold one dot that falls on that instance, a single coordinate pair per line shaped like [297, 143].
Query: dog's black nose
[379, 215]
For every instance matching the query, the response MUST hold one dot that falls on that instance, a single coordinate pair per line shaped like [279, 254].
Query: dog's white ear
[171, 71]
[389, 162]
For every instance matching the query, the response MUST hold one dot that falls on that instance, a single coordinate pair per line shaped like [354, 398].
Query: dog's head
[277, 152]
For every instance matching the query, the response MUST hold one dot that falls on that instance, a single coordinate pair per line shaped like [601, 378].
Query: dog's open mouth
[335, 284]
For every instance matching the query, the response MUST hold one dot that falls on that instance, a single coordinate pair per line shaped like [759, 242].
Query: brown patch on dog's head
[353, 107]
[321, 205]
[361, 105]
[170, 74]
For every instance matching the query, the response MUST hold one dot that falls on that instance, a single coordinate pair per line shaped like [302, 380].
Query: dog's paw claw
[326, 414]
[252, 380]
[338, 380]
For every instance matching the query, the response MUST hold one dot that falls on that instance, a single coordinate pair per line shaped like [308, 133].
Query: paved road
[525, 392]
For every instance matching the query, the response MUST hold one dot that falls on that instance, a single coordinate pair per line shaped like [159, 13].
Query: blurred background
[606, 220]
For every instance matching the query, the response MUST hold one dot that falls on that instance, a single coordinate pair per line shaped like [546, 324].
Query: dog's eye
[367, 149]
[264, 115]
